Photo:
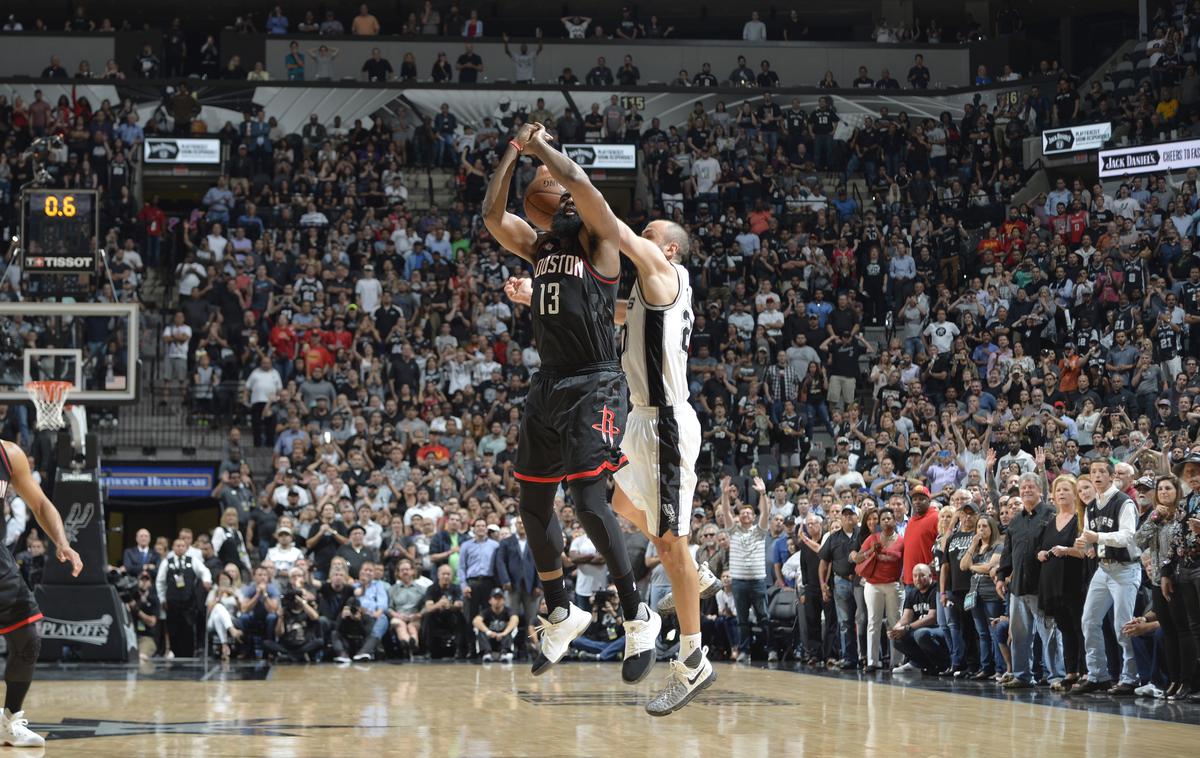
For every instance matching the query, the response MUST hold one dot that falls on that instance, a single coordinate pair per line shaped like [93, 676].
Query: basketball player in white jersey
[662, 435]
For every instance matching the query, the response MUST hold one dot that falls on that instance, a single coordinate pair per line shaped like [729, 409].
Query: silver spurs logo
[77, 519]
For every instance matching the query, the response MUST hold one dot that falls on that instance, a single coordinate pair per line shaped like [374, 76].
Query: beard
[564, 226]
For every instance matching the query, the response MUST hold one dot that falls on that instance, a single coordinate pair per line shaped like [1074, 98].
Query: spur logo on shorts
[607, 426]
[77, 519]
[3, 488]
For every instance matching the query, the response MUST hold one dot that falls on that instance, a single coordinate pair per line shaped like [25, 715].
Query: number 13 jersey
[572, 309]
[656, 340]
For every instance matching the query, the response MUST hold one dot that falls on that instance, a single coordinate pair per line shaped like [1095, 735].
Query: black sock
[14, 695]
[556, 596]
[630, 599]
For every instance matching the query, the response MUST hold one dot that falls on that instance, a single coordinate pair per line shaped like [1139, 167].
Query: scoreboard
[59, 231]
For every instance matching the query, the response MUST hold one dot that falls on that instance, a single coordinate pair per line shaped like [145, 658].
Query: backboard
[93, 345]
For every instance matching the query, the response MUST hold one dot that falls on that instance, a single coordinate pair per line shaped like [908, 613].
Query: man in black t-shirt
[838, 581]
[442, 621]
[795, 127]
[1066, 104]
[918, 75]
[822, 123]
[955, 583]
[377, 68]
[705, 78]
[470, 65]
[843, 353]
[495, 626]
[917, 634]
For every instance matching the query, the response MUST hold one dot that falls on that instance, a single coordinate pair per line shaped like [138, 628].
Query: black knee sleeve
[24, 643]
[598, 520]
[542, 528]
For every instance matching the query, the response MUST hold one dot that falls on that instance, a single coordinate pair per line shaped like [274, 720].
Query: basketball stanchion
[83, 617]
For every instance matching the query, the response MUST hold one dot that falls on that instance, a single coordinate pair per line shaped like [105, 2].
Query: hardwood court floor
[577, 710]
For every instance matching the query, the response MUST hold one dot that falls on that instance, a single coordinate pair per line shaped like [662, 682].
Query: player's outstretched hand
[66, 553]
[519, 289]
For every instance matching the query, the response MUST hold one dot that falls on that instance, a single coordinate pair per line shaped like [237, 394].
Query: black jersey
[572, 308]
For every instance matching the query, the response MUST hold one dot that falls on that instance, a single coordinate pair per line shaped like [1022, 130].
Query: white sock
[688, 644]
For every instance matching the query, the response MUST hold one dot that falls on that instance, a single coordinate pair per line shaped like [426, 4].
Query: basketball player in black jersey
[18, 610]
[575, 411]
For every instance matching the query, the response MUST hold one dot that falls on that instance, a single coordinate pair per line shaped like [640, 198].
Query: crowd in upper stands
[961, 422]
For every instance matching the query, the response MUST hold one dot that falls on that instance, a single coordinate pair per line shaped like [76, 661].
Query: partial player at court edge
[662, 434]
[575, 411]
[19, 612]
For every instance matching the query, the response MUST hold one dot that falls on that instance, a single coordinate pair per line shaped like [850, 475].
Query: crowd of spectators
[452, 19]
[1027, 363]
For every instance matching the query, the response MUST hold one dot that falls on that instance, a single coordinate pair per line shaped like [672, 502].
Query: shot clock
[59, 230]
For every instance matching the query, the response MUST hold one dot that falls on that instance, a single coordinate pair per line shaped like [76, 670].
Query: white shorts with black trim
[662, 445]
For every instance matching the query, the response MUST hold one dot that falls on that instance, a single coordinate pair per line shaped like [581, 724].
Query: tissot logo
[90, 632]
[584, 156]
[60, 261]
[163, 150]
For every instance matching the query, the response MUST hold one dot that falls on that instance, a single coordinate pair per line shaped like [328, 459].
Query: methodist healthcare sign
[158, 481]
[1075, 139]
[1150, 159]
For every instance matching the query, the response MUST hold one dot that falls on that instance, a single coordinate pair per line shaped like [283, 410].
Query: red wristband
[517, 145]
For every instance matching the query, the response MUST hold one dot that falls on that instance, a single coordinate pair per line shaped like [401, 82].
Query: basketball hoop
[49, 399]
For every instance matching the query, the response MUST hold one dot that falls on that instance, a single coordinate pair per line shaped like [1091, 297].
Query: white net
[49, 399]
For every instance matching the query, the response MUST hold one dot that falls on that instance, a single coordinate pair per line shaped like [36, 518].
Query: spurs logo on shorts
[607, 426]
[3, 488]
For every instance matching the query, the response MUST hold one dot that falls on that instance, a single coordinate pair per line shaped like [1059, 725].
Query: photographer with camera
[495, 628]
[351, 630]
[142, 603]
[443, 623]
[297, 628]
[604, 640]
[331, 600]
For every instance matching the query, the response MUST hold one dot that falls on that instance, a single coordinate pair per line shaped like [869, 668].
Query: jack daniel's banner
[1150, 159]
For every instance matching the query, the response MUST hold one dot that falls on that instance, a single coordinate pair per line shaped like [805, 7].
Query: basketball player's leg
[676, 558]
[564, 620]
[23, 646]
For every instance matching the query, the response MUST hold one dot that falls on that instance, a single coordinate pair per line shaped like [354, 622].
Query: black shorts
[571, 427]
[17, 606]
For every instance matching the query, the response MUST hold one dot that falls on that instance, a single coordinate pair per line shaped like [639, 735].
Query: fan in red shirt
[314, 354]
[1077, 222]
[920, 533]
[433, 451]
[991, 242]
[1014, 221]
[338, 338]
[885, 552]
[1013, 248]
[283, 339]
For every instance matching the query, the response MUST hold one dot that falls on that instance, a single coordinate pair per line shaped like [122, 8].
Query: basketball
[541, 198]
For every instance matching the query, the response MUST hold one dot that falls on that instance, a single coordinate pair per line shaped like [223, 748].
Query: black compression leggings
[591, 504]
[23, 646]
[542, 526]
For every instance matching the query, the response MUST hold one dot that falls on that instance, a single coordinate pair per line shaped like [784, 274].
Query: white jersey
[656, 341]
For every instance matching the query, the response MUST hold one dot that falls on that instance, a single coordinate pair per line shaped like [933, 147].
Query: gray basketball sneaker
[710, 585]
[685, 682]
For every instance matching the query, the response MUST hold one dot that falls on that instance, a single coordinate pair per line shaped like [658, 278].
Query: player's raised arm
[593, 209]
[510, 230]
[41, 507]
